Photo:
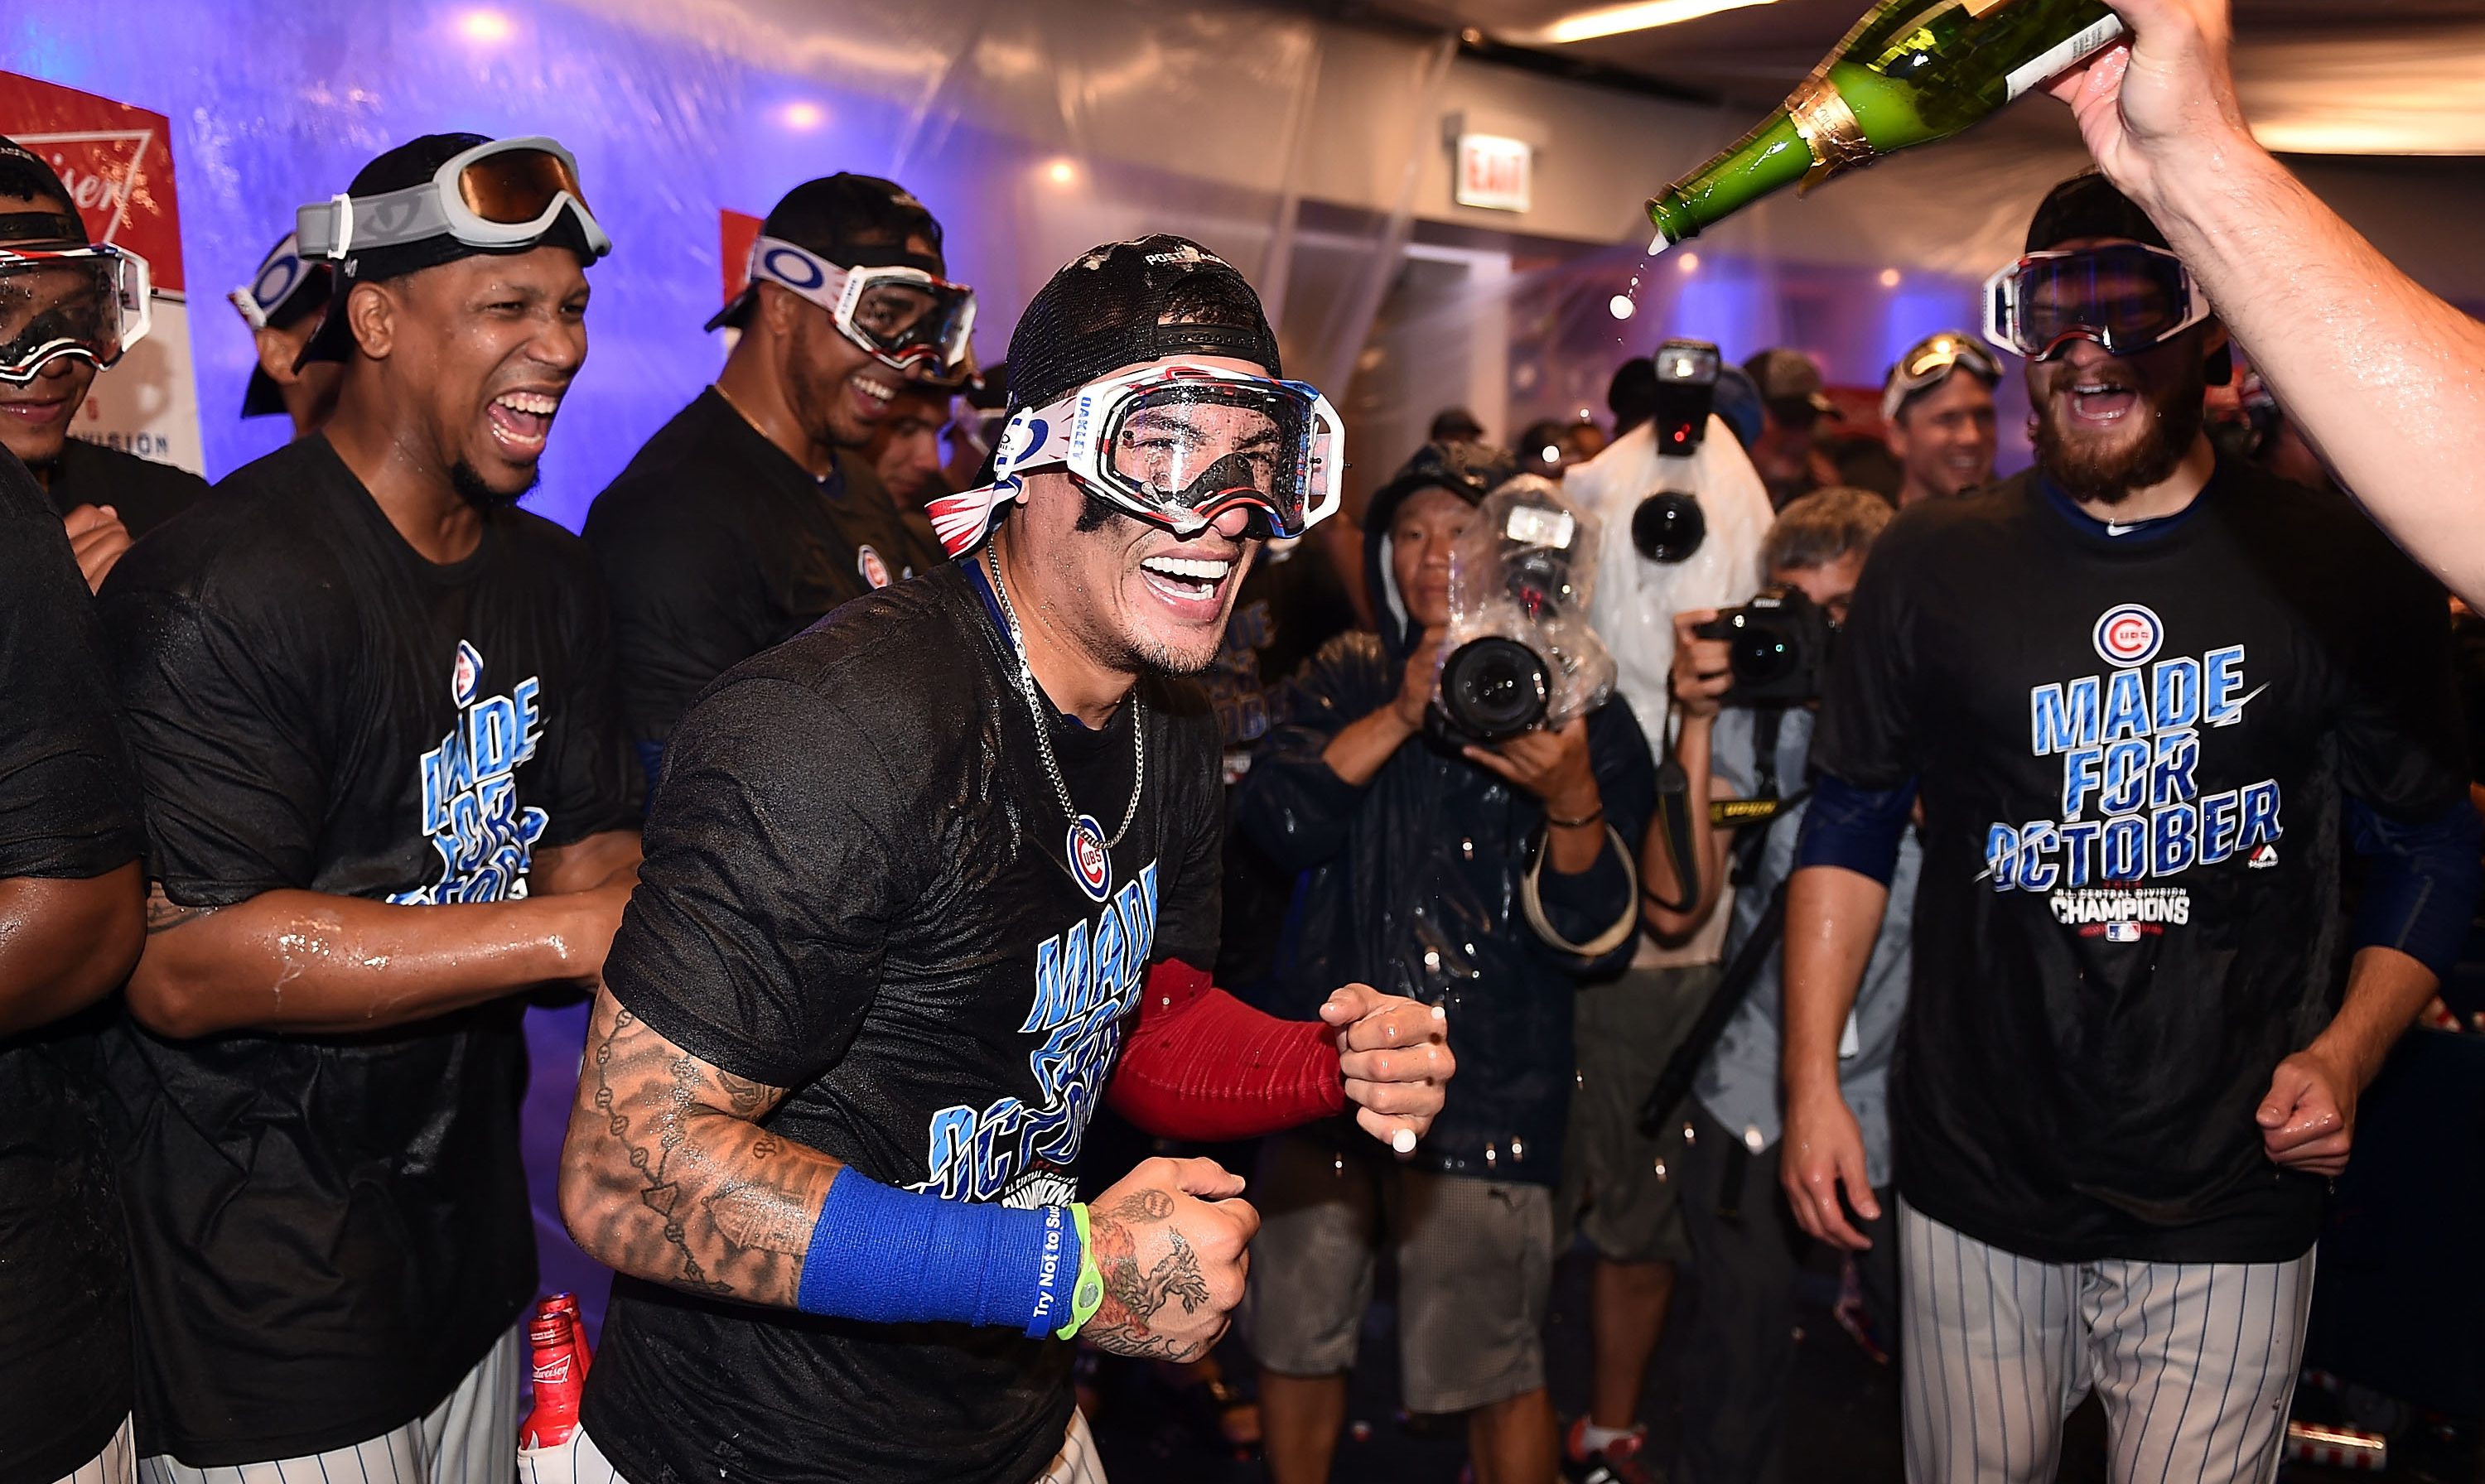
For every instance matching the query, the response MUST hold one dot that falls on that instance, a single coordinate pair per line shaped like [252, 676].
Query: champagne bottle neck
[1769, 158]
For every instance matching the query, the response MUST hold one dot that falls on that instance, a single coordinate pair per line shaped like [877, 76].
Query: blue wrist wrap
[899, 1256]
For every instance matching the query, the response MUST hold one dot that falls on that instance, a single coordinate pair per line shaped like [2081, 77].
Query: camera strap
[1734, 986]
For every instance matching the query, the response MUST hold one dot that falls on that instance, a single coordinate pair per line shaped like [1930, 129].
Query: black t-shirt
[327, 1232]
[857, 887]
[1292, 602]
[144, 492]
[2132, 752]
[68, 809]
[715, 546]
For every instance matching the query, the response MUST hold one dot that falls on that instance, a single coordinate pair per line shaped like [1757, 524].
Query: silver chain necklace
[1037, 707]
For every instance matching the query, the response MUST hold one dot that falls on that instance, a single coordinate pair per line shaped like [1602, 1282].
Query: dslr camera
[1668, 525]
[1519, 652]
[1778, 645]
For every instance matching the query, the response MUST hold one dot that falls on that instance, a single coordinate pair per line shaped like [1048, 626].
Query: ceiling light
[1641, 16]
[487, 27]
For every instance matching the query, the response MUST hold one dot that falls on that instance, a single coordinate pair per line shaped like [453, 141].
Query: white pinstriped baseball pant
[116, 1464]
[472, 1438]
[2193, 1362]
[580, 1461]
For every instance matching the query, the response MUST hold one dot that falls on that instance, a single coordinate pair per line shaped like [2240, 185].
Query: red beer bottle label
[559, 1373]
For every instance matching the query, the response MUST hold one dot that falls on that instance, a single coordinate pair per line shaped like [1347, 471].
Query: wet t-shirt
[68, 809]
[859, 887]
[714, 545]
[328, 1231]
[144, 493]
[2135, 753]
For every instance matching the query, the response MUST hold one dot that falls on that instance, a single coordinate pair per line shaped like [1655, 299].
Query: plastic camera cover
[1526, 570]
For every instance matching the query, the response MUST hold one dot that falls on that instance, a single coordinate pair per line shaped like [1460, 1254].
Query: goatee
[468, 482]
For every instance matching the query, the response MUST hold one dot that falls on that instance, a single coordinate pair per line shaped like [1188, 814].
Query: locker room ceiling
[2318, 76]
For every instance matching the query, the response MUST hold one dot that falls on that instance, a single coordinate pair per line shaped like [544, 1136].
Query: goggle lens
[54, 308]
[516, 187]
[2127, 297]
[1194, 451]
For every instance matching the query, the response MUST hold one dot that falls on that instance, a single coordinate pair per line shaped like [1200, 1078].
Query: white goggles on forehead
[911, 320]
[1176, 445]
[502, 193]
[89, 302]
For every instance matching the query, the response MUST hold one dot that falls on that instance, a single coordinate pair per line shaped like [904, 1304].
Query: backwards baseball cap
[1126, 303]
[1789, 382]
[504, 202]
[283, 293]
[26, 176]
[2087, 205]
[849, 220]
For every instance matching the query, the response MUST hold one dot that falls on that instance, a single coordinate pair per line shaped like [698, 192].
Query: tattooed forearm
[665, 1177]
[164, 912]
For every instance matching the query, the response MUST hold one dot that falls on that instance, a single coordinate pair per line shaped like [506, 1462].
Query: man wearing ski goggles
[71, 306]
[1177, 443]
[1939, 424]
[847, 305]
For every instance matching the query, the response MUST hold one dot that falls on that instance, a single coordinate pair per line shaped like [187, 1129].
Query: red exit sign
[1493, 172]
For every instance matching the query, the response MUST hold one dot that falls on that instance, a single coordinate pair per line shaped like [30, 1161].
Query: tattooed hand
[1168, 1241]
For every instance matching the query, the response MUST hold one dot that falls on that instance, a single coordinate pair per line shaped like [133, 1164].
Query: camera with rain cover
[1668, 525]
[1778, 645]
[1519, 652]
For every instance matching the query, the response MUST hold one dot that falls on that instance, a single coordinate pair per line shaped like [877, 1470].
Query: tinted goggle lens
[516, 187]
[2127, 297]
[1933, 360]
[914, 320]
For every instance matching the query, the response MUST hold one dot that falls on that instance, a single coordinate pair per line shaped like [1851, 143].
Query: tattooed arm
[666, 1174]
[309, 961]
[63, 943]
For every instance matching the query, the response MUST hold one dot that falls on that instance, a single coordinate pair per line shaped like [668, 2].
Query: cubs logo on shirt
[2128, 634]
[1089, 860]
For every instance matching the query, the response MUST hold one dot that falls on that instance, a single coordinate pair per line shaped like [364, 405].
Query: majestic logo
[874, 570]
[1089, 859]
[2128, 635]
[470, 791]
[2261, 859]
[1087, 981]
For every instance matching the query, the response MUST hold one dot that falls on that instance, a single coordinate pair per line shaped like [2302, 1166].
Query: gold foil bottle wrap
[1828, 128]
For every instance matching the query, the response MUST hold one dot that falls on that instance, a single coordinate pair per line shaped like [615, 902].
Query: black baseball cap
[2087, 205]
[1126, 303]
[1790, 384]
[414, 163]
[1470, 470]
[26, 176]
[849, 220]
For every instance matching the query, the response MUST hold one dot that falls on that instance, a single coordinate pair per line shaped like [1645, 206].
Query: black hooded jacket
[1411, 884]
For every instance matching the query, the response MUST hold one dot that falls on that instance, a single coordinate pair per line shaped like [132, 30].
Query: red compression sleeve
[1202, 1065]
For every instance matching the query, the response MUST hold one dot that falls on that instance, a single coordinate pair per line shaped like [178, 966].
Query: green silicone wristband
[1087, 1295]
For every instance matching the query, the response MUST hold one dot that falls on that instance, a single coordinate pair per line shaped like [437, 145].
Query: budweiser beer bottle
[559, 1373]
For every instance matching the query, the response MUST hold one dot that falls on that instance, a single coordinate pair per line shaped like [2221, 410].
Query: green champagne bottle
[1910, 73]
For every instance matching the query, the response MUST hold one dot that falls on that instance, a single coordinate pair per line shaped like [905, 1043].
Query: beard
[2092, 472]
[468, 482]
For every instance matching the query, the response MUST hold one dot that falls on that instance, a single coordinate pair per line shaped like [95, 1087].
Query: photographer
[1743, 1237]
[1684, 513]
[1424, 865]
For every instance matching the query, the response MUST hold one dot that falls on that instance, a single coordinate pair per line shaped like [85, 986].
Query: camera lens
[1494, 689]
[1668, 526]
[1761, 656]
